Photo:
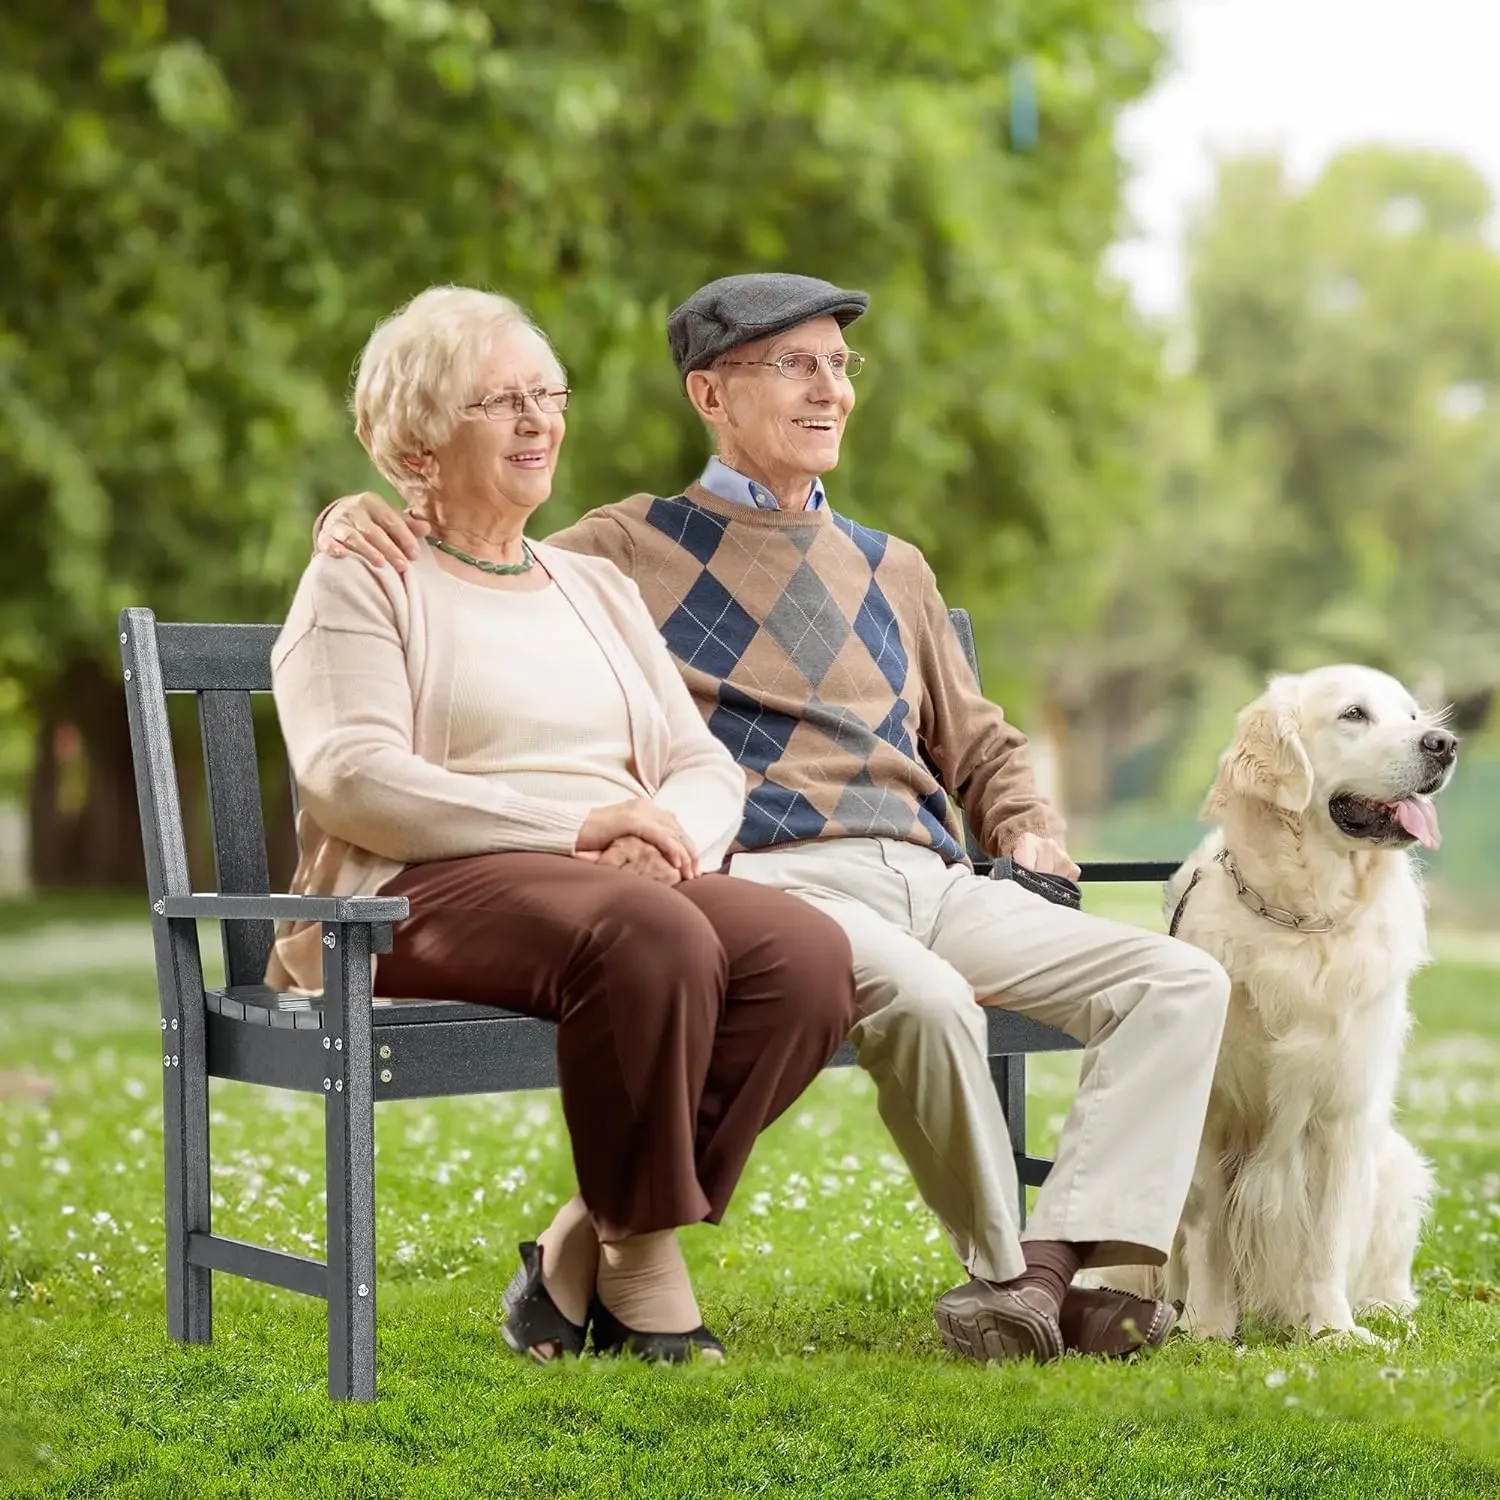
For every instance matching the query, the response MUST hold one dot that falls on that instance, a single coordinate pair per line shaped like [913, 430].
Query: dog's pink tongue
[1419, 819]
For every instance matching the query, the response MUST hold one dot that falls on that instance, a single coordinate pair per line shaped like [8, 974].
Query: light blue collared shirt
[729, 484]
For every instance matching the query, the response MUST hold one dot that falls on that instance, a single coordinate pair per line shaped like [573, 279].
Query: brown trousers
[688, 1017]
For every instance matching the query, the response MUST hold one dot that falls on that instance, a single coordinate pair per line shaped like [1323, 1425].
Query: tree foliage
[1327, 477]
[211, 204]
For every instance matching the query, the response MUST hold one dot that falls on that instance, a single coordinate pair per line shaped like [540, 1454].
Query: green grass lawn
[821, 1282]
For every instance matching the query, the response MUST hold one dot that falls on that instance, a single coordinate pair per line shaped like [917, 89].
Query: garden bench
[352, 1050]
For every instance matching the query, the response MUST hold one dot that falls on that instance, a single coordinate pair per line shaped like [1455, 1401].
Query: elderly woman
[499, 735]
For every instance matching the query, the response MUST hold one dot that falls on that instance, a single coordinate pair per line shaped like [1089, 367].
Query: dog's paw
[1218, 1324]
[1392, 1304]
[1349, 1334]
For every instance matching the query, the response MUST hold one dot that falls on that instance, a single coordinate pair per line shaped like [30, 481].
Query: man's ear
[1266, 761]
[706, 394]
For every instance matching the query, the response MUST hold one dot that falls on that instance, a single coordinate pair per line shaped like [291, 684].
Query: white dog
[1306, 1203]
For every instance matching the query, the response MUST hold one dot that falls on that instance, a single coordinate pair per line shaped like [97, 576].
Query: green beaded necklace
[499, 570]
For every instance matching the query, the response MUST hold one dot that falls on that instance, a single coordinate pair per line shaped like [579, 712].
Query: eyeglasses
[510, 406]
[805, 366]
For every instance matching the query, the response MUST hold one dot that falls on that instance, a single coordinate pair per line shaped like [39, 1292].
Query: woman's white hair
[421, 366]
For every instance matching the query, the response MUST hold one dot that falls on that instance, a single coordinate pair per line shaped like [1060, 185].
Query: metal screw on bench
[174, 1023]
[326, 1044]
[163, 1023]
[327, 1084]
[385, 1051]
[127, 674]
[363, 1290]
[385, 1075]
[338, 1044]
[338, 1085]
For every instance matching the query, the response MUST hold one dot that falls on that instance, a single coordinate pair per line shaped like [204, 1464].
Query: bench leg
[188, 1207]
[1009, 1075]
[349, 1121]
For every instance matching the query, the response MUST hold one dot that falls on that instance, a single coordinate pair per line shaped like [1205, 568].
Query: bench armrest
[1133, 870]
[376, 910]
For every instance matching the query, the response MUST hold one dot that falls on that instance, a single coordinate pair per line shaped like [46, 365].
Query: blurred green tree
[1328, 474]
[210, 204]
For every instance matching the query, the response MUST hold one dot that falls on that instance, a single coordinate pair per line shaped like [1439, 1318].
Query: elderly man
[821, 653]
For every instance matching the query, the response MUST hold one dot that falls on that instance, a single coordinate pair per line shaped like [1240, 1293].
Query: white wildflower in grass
[135, 1088]
[1275, 1378]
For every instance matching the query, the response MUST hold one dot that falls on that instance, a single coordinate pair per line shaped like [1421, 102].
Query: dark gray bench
[353, 1050]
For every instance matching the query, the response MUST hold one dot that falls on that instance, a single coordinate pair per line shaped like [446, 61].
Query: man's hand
[639, 858]
[367, 527]
[1045, 856]
[640, 819]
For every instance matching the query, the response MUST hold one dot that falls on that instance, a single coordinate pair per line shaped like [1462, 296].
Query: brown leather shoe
[982, 1321]
[1096, 1320]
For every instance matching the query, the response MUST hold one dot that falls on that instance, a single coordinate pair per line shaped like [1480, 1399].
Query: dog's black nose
[1440, 744]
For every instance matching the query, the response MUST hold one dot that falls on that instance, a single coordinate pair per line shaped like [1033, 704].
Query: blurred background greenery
[209, 205]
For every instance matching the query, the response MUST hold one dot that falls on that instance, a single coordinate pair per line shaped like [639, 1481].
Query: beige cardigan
[363, 678]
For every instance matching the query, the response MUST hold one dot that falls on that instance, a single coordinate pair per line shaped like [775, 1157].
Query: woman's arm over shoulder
[344, 699]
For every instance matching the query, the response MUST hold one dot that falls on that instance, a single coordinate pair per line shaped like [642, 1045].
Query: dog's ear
[1266, 761]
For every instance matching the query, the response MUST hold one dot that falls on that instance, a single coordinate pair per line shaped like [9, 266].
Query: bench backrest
[222, 665]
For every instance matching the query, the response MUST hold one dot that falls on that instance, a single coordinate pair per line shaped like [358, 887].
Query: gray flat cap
[737, 310]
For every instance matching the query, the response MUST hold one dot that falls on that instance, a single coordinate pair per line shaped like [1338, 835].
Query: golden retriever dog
[1307, 1203]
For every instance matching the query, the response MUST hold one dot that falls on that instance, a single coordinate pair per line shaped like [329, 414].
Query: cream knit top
[365, 674]
[535, 704]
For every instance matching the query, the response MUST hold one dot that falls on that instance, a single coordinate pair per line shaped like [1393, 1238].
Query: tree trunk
[85, 830]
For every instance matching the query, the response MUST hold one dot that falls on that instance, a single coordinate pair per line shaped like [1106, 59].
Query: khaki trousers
[928, 938]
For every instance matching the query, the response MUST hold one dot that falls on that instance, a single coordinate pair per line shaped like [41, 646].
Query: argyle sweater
[821, 653]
